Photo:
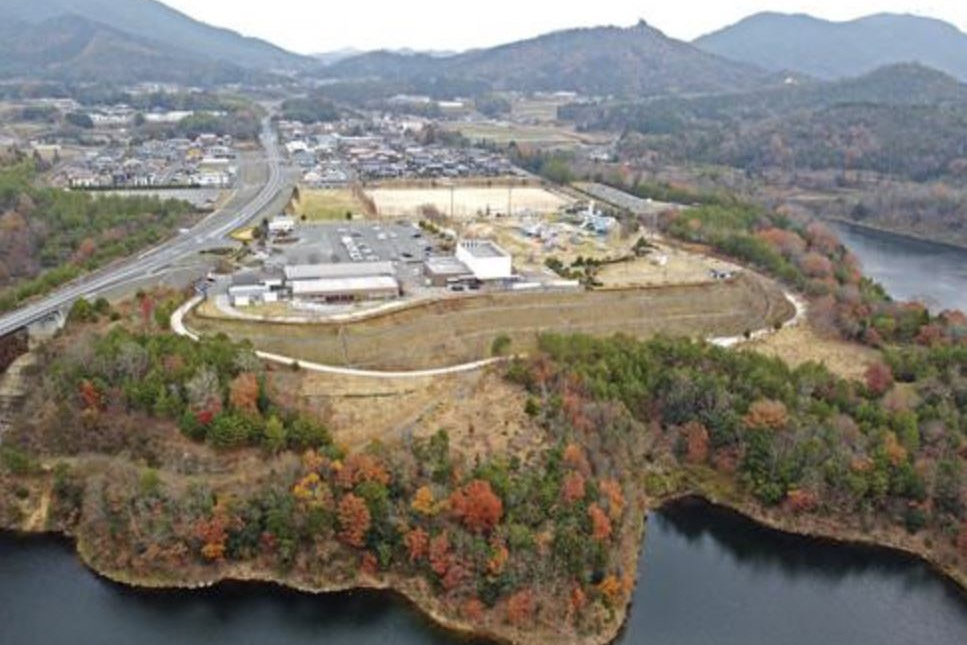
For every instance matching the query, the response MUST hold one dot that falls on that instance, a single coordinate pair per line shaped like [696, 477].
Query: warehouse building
[349, 289]
[338, 270]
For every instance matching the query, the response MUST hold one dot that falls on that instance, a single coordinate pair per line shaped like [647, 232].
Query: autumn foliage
[696, 442]
[244, 393]
[477, 506]
[359, 468]
[879, 379]
[574, 487]
[417, 544]
[601, 525]
[354, 520]
[520, 608]
[766, 414]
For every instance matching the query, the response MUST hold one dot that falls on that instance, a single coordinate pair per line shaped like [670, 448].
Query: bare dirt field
[801, 344]
[482, 413]
[465, 202]
[461, 330]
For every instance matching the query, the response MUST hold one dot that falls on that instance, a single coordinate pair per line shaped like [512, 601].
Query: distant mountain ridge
[833, 50]
[635, 61]
[171, 33]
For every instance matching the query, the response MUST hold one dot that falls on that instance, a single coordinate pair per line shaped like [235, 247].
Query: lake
[708, 576]
[911, 269]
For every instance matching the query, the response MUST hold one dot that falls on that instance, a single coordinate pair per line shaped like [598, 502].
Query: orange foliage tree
[244, 393]
[600, 524]
[440, 556]
[354, 520]
[359, 468]
[574, 457]
[696, 442]
[477, 506]
[417, 543]
[612, 492]
[423, 501]
[766, 414]
[574, 487]
[520, 608]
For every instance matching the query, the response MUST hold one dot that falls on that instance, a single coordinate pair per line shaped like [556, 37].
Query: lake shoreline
[900, 235]
[417, 596]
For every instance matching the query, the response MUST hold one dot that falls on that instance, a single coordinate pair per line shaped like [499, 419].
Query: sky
[311, 26]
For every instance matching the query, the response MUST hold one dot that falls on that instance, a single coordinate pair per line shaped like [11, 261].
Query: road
[212, 232]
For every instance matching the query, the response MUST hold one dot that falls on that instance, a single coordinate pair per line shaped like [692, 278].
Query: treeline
[215, 390]
[801, 438]
[310, 110]
[811, 259]
[50, 236]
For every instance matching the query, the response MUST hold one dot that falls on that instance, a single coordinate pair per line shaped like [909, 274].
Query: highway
[210, 233]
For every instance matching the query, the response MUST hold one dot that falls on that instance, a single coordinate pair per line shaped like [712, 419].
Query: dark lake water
[911, 269]
[709, 577]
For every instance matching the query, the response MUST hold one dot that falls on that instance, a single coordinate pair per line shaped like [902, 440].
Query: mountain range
[635, 61]
[831, 50]
[130, 40]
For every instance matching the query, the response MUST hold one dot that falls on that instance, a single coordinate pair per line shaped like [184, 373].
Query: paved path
[178, 326]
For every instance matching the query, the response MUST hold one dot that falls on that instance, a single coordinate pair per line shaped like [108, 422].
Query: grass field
[326, 205]
[467, 201]
[462, 330]
[534, 135]
[801, 344]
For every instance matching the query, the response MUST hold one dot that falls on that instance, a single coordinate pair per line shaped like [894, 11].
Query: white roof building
[485, 259]
[300, 272]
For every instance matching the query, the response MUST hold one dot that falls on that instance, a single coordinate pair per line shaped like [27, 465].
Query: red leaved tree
[354, 520]
[477, 506]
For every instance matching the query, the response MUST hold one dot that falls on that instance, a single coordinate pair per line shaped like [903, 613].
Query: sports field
[465, 202]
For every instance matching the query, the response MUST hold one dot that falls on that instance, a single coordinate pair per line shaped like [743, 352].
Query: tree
[354, 520]
[574, 487]
[612, 492]
[417, 544]
[274, 436]
[477, 506]
[424, 502]
[439, 555]
[600, 524]
[520, 608]
[696, 443]
[766, 414]
[879, 378]
[244, 393]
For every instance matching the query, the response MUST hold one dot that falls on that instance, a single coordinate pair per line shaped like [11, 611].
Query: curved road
[208, 234]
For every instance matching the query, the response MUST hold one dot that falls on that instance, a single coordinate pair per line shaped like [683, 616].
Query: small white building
[485, 259]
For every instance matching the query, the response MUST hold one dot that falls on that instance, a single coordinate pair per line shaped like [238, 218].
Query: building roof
[483, 249]
[446, 265]
[344, 286]
[341, 270]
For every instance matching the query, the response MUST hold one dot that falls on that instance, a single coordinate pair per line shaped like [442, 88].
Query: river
[708, 577]
[910, 269]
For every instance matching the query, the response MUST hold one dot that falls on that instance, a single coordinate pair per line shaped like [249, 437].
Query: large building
[486, 260]
[346, 282]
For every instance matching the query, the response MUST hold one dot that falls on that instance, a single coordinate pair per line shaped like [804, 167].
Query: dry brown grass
[327, 205]
[482, 413]
[467, 201]
[801, 344]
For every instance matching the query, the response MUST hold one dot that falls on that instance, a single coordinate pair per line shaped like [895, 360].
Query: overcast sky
[310, 26]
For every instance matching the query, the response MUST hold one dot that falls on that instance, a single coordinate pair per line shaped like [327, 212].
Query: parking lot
[355, 242]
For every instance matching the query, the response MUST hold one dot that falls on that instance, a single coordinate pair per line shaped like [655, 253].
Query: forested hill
[171, 31]
[634, 62]
[832, 50]
[49, 236]
[903, 120]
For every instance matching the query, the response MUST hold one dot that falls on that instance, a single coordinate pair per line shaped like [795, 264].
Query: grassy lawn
[326, 205]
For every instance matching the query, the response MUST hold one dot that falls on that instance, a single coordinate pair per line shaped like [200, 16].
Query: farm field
[462, 330]
[320, 205]
[533, 135]
[466, 201]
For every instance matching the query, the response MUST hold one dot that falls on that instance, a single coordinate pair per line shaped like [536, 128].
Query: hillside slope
[638, 61]
[76, 49]
[832, 50]
[150, 20]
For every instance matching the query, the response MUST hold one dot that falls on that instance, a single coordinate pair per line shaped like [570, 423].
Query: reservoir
[911, 269]
[708, 576]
